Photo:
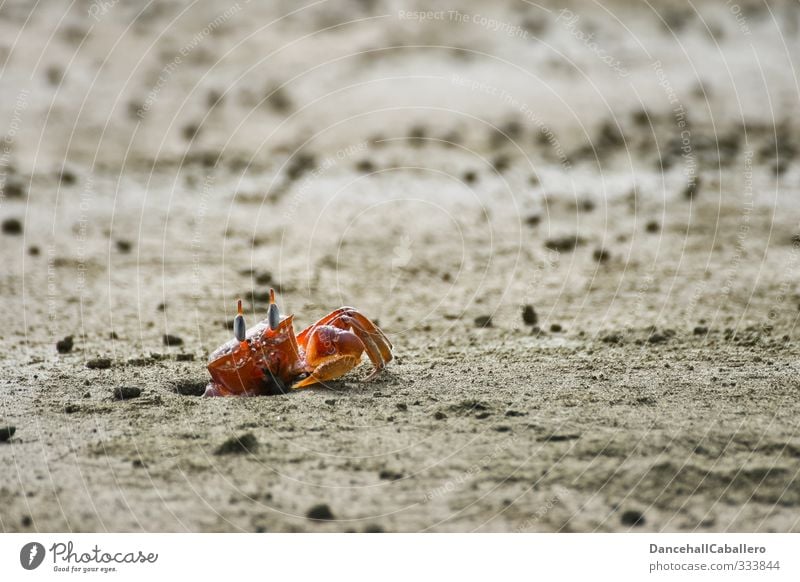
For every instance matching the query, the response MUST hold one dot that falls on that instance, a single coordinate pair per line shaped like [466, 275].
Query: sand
[637, 190]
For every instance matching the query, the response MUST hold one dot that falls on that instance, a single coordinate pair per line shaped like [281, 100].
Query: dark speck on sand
[12, 226]
[632, 518]
[246, 443]
[172, 340]
[99, 363]
[65, 345]
[126, 392]
[320, 512]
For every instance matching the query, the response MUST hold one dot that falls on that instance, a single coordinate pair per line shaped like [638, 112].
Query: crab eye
[239, 327]
[274, 314]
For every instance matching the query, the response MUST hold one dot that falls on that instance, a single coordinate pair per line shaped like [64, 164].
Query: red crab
[268, 358]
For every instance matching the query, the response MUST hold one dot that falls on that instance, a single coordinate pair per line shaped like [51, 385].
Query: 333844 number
[749, 565]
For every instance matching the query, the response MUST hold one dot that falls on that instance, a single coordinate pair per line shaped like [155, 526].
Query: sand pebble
[98, 364]
[127, 392]
[7, 432]
[246, 443]
[65, 345]
[320, 512]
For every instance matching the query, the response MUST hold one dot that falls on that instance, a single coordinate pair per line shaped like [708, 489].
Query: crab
[269, 358]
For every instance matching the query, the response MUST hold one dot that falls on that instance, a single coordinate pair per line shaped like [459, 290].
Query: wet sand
[445, 189]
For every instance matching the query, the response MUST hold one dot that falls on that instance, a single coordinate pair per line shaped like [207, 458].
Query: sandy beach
[578, 226]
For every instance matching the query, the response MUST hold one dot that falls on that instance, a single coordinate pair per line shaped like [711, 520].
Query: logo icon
[31, 556]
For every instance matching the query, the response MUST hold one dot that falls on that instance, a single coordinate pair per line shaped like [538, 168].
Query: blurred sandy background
[623, 174]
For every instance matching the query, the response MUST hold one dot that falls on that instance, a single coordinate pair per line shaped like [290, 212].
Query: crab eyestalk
[274, 314]
[239, 327]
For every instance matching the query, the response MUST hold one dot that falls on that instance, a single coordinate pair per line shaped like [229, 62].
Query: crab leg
[337, 314]
[377, 349]
[364, 328]
[302, 337]
[370, 336]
